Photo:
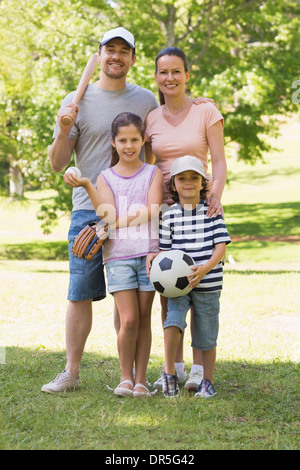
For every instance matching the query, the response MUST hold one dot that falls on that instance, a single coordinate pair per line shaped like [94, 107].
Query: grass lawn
[257, 370]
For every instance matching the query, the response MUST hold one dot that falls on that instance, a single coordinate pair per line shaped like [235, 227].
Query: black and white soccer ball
[169, 272]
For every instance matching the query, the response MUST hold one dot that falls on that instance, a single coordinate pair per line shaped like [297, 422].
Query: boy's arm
[202, 270]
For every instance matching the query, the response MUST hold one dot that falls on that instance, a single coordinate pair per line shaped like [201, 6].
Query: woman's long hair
[170, 51]
[124, 120]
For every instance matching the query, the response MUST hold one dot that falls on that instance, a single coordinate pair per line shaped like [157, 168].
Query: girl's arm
[96, 196]
[104, 203]
[219, 167]
[102, 198]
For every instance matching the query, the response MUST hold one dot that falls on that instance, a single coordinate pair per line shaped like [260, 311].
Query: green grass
[257, 370]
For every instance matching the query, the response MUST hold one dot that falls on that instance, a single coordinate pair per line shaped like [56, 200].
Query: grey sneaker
[193, 381]
[63, 382]
[206, 390]
[170, 385]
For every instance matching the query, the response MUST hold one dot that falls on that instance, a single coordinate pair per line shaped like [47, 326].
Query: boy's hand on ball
[198, 274]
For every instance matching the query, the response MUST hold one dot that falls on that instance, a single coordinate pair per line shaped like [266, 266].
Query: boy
[186, 227]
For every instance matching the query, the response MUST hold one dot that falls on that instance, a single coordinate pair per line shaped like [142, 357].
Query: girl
[128, 196]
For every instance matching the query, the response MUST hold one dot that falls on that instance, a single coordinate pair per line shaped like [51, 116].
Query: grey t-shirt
[97, 110]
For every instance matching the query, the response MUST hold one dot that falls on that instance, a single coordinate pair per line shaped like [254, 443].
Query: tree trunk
[170, 26]
[15, 181]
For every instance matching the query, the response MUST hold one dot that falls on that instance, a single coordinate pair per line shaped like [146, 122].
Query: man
[89, 136]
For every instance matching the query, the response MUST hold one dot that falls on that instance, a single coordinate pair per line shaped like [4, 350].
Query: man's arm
[60, 152]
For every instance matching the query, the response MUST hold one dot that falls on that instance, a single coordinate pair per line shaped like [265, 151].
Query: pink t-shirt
[188, 138]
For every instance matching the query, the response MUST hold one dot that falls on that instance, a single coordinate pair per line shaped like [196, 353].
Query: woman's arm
[219, 167]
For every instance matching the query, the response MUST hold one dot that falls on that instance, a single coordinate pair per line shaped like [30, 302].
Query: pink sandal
[122, 391]
[145, 393]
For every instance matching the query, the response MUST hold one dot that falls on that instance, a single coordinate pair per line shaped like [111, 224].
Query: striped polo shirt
[196, 234]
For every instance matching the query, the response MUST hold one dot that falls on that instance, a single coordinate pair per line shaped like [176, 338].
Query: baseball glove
[89, 241]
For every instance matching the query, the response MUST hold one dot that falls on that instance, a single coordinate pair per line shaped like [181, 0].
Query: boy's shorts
[87, 279]
[206, 306]
[128, 274]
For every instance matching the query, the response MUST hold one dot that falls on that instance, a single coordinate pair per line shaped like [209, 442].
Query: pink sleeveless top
[130, 193]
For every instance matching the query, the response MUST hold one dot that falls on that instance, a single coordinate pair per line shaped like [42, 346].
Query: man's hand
[203, 99]
[67, 110]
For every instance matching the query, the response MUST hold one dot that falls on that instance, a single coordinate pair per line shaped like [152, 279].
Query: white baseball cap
[187, 163]
[118, 33]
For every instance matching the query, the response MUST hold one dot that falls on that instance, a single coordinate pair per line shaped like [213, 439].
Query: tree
[243, 53]
[44, 47]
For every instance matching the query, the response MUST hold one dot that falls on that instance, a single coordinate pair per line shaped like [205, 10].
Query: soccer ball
[169, 272]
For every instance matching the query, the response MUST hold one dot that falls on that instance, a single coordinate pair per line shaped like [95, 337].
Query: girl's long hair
[124, 120]
[170, 51]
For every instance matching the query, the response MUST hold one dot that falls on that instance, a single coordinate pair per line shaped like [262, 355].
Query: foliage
[244, 54]
[45, 46]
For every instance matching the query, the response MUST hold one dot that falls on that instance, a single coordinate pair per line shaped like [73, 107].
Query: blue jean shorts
[206, 306]
[128, 274]
[87, 279]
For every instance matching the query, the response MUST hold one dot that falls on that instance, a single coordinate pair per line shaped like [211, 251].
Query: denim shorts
[206, 306]
[87, 279]
[128, 274]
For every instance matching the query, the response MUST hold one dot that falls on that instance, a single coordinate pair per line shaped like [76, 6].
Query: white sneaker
[63, 382]
[193, 381]
[181, 376]
[159, 382]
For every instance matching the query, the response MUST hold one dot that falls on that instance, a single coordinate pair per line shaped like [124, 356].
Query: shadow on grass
[255, 407]
[242, 177]
[266, 220]
[267, 270]
[38, 250]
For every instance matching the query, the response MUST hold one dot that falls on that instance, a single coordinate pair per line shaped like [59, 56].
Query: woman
[181, 127]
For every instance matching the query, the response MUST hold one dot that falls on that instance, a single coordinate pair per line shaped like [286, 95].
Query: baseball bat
[84, 81]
